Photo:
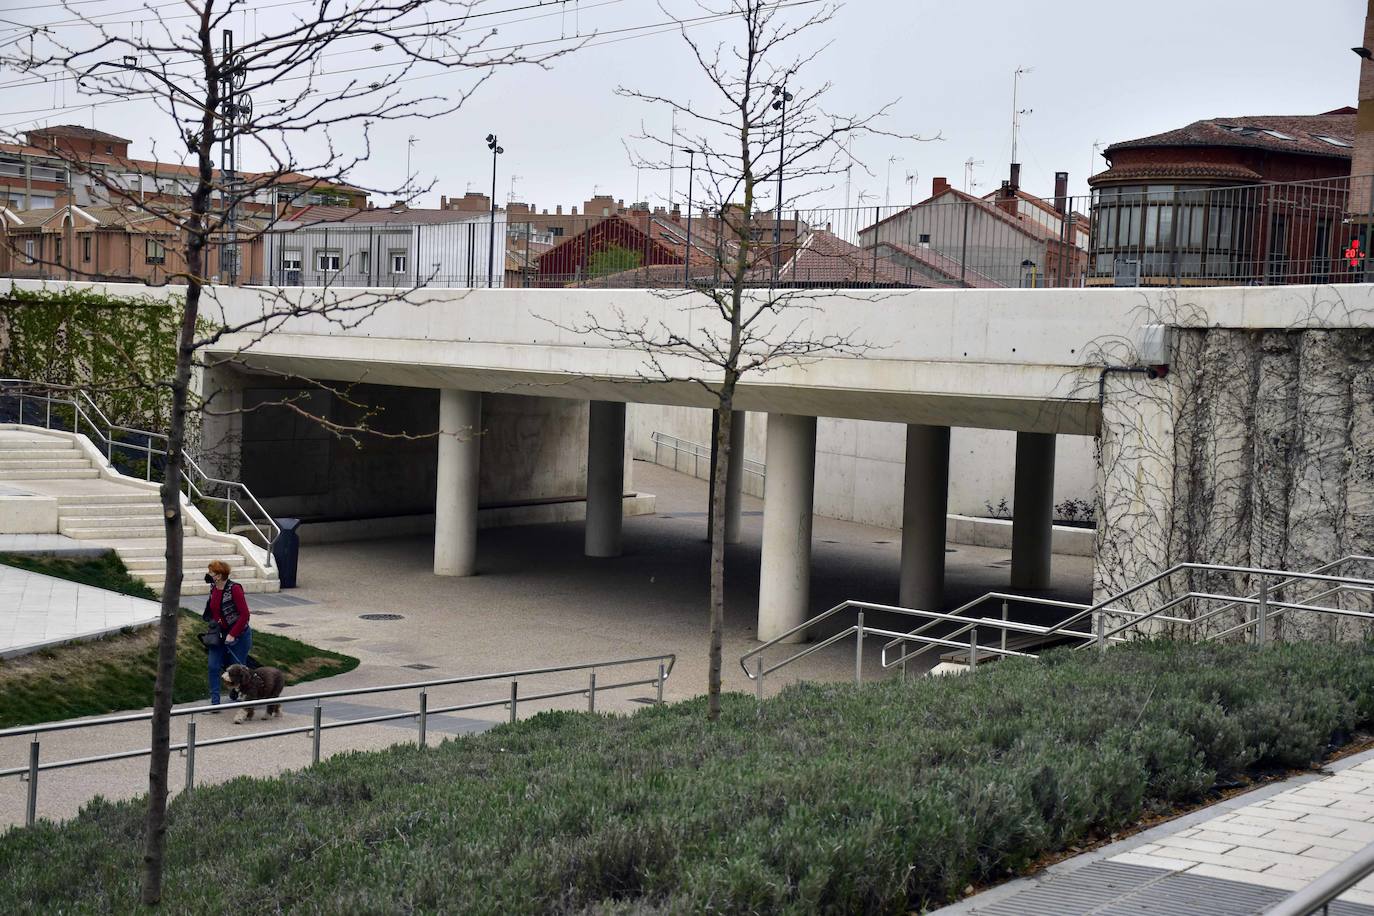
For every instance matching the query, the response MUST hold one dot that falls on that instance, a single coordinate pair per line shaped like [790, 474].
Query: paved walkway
[38, 611]
[1237, 857]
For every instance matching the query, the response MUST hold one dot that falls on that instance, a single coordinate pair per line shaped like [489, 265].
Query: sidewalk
[1235, 858]
[38, 610]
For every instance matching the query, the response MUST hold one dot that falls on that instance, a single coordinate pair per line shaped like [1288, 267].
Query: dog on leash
[255, 684]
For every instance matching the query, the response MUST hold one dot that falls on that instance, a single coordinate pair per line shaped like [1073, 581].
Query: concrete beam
[1032, 529]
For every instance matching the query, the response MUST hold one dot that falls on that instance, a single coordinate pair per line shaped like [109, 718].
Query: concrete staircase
[121, 513]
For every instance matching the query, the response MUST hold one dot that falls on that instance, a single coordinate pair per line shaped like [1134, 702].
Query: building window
[28, 252]
[85, 248]
[364, 262]
[923, 238]
[555, 230]
[57, 248]
[154, 252]
[327, 260]
[398, 262]
[291, 260]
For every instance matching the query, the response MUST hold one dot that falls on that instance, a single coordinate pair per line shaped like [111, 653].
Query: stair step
[131, 532]
[99, 510]
[251, 586]
[38, 464]
[156, 547]
[36, 454]
[188, 562]
[44, 443]
[50, 474]
[139, 519]
[107, 499]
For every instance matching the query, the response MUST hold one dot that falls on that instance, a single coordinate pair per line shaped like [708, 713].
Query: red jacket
[236, 595]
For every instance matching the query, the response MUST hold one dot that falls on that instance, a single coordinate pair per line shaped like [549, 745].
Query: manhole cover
[342, 639]
[263, 613]
[380, 617]
[281, 626]
[419, 666]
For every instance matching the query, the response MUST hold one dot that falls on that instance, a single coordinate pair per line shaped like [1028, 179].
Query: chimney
[559, 210]
[938, 186]
[1015, 177]
[443, 202]
[574, 211]
[1061, 192]
[1006, 198]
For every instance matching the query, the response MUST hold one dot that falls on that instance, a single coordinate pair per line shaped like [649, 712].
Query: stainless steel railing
[1086, 623]
[30, 772]
[698, 453]
[196, 483]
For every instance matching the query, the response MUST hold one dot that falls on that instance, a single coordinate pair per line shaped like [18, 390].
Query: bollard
[859, 650]
[424, 715]
[591, 691]
[659, 686]
[514, 698]
[31, 809]
[315, 735]
[191, 754]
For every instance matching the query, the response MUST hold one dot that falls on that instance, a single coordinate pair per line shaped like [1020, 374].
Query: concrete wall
[1257, 450]
[859, 463]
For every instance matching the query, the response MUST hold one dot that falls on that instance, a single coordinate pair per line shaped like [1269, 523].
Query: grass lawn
[117, 673]
[884, 798]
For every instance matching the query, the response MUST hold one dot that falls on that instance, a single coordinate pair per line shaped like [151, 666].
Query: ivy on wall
[116, 347]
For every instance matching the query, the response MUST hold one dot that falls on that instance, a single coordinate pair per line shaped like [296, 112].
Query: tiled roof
[386, 216]
[825, 259]
[943, 265]
[1035, 230]
[81, 133]
[1273, 133]
[1200, 170]
[653, 277]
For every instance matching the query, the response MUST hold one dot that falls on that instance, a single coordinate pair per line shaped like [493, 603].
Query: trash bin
[286, 551]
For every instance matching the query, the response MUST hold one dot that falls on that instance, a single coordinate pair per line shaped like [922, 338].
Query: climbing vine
[120, 349]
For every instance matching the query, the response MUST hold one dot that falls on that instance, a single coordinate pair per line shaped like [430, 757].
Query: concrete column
[455, 502]
[734, 478]
[924, 503]
[605, 478]
[785, 569]
[1033, 512]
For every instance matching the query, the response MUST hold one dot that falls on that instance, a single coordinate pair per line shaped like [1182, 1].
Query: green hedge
[879, 799]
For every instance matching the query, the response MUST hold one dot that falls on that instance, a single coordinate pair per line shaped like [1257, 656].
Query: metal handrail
[268, 531]
[29, 773]
[1317, 896]
[697, 450]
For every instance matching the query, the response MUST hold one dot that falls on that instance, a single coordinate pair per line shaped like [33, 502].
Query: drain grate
[420, 666]
[281, 626]
[882, 542]
[342, 639]
[380, 617]
[650, 701]
[261, 613]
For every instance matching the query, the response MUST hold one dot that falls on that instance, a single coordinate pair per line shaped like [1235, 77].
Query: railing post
[148, 469]
[1101, 630]
[228, 516]
[424, 714]
[758, 682]
[514, 698]
[315, 735]
[1262, 621]
[21, 409]
[191, 753]
[591, 691]
[859, 650]
[659, 686]
[47, 416]
[973, 651]
[1004, 628]
[31, 809]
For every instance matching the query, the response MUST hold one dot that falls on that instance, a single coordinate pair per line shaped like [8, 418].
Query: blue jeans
[223, 656]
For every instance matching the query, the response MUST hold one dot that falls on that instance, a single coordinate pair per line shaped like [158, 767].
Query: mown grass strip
[884, 798]
[116, 673]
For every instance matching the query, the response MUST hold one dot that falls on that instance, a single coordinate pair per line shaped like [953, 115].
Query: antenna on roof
[969, 181]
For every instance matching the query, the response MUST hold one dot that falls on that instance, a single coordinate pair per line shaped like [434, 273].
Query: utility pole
[235, 108]
[780, 99]
[687, 258]
[410, 141]
[1017, 112]
[491, 241]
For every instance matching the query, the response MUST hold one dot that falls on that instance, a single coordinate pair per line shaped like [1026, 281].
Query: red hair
[219, 568]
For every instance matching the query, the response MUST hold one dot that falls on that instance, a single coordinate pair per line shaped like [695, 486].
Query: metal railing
[1317, 897]
[1086, 624]
[511, 702]
[39, 397]
[697, 453]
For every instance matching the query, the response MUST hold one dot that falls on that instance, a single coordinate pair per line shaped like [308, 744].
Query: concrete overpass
[1025, 360]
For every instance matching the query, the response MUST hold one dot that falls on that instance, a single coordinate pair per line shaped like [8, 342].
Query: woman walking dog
[230, 638]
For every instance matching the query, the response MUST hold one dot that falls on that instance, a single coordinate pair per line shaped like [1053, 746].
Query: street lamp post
[491, 242]
[780, 99]
[687, 259]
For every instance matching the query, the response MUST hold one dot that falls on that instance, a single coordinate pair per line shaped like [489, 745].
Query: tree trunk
[724, 434]
[197, 237]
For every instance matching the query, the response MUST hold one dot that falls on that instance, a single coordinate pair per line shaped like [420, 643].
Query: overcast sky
[1099, 72]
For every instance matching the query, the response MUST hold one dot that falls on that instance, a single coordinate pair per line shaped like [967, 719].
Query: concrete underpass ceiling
[1068, 416]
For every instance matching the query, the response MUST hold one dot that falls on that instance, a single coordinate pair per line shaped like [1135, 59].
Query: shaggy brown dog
[255, 684]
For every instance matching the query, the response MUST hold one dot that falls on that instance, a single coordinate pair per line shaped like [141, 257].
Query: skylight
[1334, 141]
[1278, 134]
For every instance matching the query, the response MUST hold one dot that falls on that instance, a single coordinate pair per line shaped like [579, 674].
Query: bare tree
[299, 80]
[759, 124]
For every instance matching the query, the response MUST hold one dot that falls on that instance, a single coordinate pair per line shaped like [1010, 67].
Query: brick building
[1225, 200]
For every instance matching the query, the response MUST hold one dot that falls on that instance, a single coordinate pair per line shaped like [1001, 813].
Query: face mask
[209, 579]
